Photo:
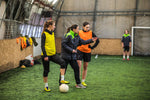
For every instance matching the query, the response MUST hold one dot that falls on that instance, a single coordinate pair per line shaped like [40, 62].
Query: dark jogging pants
[56, 59]
[75, 67]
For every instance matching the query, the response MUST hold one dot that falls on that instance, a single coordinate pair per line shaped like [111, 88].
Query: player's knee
[85, 67]
[63, 64]
[45, 73]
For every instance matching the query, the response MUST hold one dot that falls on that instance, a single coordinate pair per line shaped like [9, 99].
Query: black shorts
[56, 59]
[126, 48]
[85, 56]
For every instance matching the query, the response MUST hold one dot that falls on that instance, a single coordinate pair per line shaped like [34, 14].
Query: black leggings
[56, 59]
[75, 67]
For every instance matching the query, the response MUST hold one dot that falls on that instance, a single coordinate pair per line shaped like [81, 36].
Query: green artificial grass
[108, 78]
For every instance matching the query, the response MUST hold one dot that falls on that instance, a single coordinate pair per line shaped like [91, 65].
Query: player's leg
[75, 67]
[45, 74]
[87, 59]
[62, 74]
[124, 53]
[84, 73]
[79, 60]
[128, 53]
[58, 60]
[80, 65]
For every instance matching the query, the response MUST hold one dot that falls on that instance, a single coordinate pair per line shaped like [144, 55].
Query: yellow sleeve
[30, 41]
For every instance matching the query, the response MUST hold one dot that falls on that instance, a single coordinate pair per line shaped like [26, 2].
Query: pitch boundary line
[121, 59]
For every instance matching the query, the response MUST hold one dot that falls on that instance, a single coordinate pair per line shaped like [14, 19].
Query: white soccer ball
[63, 88]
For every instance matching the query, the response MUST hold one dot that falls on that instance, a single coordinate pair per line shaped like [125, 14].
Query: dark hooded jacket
[69, 42]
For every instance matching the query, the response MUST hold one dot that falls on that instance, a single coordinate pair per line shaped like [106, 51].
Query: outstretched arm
[96, 43]
[81, 41]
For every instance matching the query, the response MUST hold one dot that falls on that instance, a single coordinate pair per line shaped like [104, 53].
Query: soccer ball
[63, 88]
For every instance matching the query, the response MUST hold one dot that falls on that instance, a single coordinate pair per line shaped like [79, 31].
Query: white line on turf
[121, 59]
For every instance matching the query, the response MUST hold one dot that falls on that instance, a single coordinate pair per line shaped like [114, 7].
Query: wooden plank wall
[11, 54]
[105, 47]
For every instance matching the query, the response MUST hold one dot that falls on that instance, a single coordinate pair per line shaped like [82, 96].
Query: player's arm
[96, 43]
[43, 44]
[64, 43]
[81, 41]
[122, 41]
[130, 42]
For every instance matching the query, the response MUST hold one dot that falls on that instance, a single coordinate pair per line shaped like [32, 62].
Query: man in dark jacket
[126, 44]
[68, 51]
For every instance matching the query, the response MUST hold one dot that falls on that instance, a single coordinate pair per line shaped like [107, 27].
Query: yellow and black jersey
[48, 43]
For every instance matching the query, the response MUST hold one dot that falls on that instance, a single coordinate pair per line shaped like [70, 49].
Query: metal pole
[5, 11]
[59, 13]
[34, 28]
[32, 21]
[94, 15]
[32, 25]
[56, 5]
[106, 11]
[111, 15]
[136, 8]
[18, 10]
[12, 10]
[132, 41]
[37, 30]
[0, 2]
[28, 24]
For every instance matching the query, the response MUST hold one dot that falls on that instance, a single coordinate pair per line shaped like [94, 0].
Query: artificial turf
[108, 78]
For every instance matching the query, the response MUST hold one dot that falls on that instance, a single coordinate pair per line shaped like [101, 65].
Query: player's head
[126, 31]
[86, 26]
[74, 28]
[49, 24]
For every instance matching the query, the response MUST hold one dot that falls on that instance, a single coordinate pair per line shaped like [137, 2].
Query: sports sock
[83, 80]
[46, 84]
[127, 57]
[124, 57]
[62, 77]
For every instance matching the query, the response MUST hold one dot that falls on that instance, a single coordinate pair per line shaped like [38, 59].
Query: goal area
[140, 41]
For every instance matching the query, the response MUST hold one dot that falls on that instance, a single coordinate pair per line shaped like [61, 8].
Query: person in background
[84, 51]
[126, 44]
[69, 44]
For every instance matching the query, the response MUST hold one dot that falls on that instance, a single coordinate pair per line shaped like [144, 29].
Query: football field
[108, 78]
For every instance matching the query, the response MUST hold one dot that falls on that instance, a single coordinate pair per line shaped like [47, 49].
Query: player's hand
[74, 51]
[46, 58]
[94, 38]
[91, 47]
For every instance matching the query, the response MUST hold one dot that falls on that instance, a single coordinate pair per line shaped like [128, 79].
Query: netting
[141, 42]
[108, 24]
[11, 29]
